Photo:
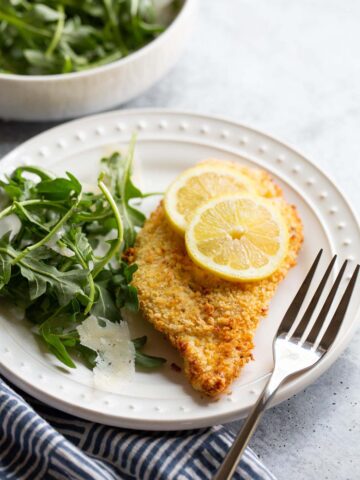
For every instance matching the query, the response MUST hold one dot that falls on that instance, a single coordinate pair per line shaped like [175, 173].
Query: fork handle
[231, 460]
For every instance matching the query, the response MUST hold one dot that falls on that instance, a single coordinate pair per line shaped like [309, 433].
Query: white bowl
[56, 97]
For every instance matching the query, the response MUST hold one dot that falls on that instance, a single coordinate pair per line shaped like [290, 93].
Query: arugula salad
[65, 260]
[44, 37]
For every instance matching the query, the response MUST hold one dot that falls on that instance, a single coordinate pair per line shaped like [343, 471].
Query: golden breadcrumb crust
[209, 320]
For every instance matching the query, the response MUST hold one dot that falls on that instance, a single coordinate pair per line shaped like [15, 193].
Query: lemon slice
[238, 237]
[199, 184]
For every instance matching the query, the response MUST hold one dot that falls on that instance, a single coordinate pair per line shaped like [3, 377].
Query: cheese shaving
[115, 363]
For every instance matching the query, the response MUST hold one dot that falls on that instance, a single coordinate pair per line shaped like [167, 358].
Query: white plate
[168, 142]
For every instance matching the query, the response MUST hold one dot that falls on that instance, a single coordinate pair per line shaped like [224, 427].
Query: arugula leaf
[16, 190]
[131, 301]
[148, 361]
[42, 13]
[143, 360]
[5, 260]
[19, 187]
[124, 293]
[139, 342]
[40, 276]
[128, 271]
[24, 215]
[124, 190]
[87, 354]
[76, 239]
[41, 253]
[59, 188]
[5, 269]
[104, 305]
[57, 347]
[13, 190]
[43, 174]
[136, 217]
[40, 61]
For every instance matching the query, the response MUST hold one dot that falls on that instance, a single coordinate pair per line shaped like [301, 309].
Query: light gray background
[292, 69]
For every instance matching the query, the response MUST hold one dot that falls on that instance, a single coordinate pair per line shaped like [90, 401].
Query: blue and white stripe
[39, 442]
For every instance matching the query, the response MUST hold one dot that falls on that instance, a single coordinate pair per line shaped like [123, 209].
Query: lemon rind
[176, 219]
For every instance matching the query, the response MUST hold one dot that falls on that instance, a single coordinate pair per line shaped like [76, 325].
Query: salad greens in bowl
[65, 58]
[61, 36]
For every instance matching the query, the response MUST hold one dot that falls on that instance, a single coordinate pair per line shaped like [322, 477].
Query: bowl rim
[184, 10]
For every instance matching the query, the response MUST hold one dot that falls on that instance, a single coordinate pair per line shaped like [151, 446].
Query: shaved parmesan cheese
[115, 363]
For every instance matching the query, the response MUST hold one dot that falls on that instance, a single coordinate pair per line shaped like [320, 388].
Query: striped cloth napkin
[40, 443]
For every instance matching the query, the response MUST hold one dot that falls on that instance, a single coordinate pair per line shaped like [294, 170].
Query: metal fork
[295, 350]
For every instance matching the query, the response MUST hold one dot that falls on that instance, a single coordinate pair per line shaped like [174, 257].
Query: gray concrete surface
[291, 69]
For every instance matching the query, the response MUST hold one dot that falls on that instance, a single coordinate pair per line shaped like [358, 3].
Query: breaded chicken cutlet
[209, 320]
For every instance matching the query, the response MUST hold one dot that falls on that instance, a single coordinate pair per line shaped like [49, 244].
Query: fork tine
[304, 322]
[319, 322]
[295, 305]
[339, 315]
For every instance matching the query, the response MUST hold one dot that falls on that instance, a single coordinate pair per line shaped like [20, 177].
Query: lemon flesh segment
[238, 237]
[196, 186]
